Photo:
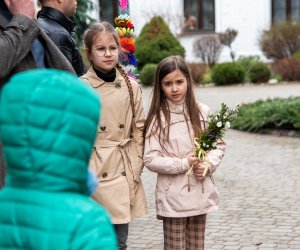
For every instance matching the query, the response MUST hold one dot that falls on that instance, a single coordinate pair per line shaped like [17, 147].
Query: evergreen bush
[259, 72]
[156, 42]
[147, 74]
[277, 113]
[227, 73]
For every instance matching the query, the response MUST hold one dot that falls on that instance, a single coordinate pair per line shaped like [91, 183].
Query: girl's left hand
[198, 171]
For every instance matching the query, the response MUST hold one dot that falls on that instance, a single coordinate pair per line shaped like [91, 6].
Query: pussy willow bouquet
[207, 140]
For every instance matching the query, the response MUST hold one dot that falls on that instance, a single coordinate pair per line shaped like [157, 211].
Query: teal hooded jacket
[48, 122]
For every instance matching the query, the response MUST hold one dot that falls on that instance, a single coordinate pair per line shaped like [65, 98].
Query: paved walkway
[258, 181]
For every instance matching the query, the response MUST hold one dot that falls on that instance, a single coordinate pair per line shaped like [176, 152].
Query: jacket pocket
[178, 196]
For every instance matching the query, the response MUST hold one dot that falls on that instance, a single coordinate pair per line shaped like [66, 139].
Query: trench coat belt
[122, 146]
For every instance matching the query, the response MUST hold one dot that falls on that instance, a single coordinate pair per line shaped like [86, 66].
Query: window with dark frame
[199, 16]
[285, 10]
[108, 10]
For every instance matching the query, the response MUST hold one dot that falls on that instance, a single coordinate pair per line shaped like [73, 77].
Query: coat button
[121, 126]
[124, 173]
[102, 128]
[104, 175]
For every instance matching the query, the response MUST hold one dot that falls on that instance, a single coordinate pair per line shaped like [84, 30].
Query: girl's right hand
[192, 160]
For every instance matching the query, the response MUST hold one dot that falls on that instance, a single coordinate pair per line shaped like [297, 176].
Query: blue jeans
[122, 235]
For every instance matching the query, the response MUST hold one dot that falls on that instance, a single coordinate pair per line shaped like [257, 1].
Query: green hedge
[227, 73]
[274, 113]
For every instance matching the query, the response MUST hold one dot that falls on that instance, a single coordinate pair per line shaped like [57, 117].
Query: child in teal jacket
[48, 123]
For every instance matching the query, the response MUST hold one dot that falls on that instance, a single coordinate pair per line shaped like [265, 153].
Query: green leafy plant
[155, 42]
[247, 63]
[147, 74]
[227, 73]
[277, 113]
[259, 72]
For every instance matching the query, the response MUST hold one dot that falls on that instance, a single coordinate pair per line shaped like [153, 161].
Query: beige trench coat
[116, 158]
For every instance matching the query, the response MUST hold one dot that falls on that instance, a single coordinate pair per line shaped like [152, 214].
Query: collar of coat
[56, 15]
[95, 81]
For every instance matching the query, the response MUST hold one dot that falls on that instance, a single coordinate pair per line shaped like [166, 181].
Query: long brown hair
[159, 104]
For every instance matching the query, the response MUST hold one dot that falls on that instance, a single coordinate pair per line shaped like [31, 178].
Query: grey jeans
[122, 235]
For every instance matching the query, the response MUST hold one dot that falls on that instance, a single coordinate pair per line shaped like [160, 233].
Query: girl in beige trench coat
[117, 156]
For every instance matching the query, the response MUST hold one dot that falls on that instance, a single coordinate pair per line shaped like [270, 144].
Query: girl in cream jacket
[174, 118]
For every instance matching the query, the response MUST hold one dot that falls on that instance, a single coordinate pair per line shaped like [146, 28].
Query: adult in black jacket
[54, 19]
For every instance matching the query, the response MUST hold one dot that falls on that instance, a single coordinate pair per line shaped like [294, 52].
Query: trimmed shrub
[247, 63]
[156, 42]
[259, 72]
[281, 41]
[288, 69]
[277, 113]
[147, 74]
[227, 73]
[197, 71]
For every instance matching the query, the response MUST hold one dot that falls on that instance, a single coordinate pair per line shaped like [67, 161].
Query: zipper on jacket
[202, 187]
[189, 187]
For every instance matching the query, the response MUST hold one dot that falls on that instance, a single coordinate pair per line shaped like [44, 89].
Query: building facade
[191, 19]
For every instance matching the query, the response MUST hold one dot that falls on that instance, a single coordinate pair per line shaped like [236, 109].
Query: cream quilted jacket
[173, 199]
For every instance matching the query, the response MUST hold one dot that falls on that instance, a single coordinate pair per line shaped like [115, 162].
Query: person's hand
[23, 7]
[192, 160]
[198, 171]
